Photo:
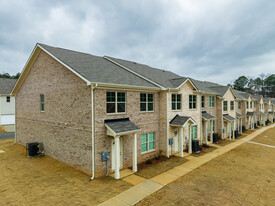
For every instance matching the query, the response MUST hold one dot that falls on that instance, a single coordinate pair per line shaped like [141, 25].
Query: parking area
[243, 176]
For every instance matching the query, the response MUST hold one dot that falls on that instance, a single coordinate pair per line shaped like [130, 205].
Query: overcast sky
[207, 40]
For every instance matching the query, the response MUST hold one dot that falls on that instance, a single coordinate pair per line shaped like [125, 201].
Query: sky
[209, 40]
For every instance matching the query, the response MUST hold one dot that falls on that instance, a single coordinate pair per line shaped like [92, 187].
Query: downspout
[15, 139]
[93, 131]
[167, 126]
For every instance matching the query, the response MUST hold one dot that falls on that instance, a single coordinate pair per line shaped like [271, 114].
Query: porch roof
[207, 116]
[228, 117]
[250, 113]
[238, 115]
[271, 112]
[121, 126]
[181, 121]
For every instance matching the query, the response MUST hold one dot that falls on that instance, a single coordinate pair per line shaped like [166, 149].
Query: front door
[176, 140]
[113, 153]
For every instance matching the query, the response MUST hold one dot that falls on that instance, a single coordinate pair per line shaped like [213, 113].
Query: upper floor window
[239, 105]
[254, 104]
[42, 102]
[192, 101]
[231, 105]
[202, 101]
[115, 102]
[250, 104]
[146, 102]
[247, 105]
[225, 106]
[176, 101]
[8, 99]
[211, 101]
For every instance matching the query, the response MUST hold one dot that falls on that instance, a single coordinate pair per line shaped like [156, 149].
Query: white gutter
[93, 131]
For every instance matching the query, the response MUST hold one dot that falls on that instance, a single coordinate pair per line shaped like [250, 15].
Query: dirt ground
[45, 181]
[243, 176]
[2, 130]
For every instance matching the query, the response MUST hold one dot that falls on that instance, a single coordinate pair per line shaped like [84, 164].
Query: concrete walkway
[147, 187]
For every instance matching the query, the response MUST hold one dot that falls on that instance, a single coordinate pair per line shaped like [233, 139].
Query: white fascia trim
[190, 83]
[104, 85]
[65, 65]
[129, 70]
[30, 57]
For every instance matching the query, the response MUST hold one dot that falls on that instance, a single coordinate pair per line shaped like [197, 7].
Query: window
[194, 132]
[211, 101]
[250, 104]
[246, 105]
[202, 101]
[192, 101]
[176, 101]
[8, 99]
[42, 102]
[115, 102]
[224, 105]
[239, 105]
[213, 126]
[147, 142]
[146, 102]
[231, 105]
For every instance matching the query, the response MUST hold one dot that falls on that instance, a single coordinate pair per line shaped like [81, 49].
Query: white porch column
[190, 141]
[241, 125]
[181, 141]
[206, 132]
[234, 129]
[117, 156]
[230, 130]
[135, 153]
[222, 129]
[212, 132]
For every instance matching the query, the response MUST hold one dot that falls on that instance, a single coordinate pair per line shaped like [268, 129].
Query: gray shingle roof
[238, 115]
[121, 125]
[95, 68]
[205, 86]
[161, 77]
[228, 117]
[257, 97]
[250, 113]
[6, 85]
[220, 90]
[180, 120]
[266, 99]
[207, 115]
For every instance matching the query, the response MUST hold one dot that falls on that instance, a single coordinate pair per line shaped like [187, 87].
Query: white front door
[113, 153]
[176, 140]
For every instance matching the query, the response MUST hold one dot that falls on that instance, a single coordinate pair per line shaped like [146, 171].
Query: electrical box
[171, 141]
[105, 156]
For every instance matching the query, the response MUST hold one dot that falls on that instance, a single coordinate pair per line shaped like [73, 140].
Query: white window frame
[147, 102]
[224, 106]
[148, 142]
[116, 103]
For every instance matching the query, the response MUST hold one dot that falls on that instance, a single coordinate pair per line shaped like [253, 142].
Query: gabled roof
[228, 117]
[241, 95]
[95, 68]
[257, 97]
[266, 99]
[204, 86]
[207, 116]
[250, 113]
[238, 115]
[161, 77]
[6, 85]
[120, 126]
[181, 120]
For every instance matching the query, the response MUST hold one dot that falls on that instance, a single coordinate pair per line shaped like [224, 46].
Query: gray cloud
[208, 40]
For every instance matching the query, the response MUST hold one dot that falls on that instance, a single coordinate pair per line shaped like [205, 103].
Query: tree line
[8, 76]
[261, 85]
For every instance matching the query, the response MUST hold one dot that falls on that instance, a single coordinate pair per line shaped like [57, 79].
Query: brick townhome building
[81, 105]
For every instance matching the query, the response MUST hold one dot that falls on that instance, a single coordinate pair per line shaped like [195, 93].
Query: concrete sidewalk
[147, 187]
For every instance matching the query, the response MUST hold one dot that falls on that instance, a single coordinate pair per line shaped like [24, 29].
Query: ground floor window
[213, 126]
[147, 142]
[194, 132]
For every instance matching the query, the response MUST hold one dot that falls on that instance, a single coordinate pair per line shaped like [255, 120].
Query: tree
[240, 83]
[270, 85]
[8, 76]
